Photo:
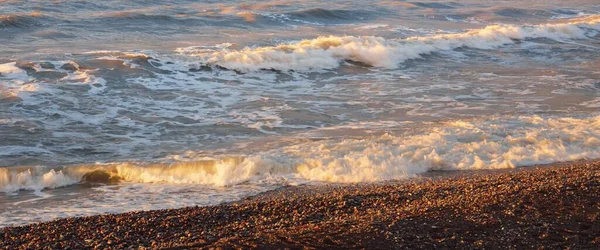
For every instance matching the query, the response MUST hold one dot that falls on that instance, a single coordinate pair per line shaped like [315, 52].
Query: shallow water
[183, 103]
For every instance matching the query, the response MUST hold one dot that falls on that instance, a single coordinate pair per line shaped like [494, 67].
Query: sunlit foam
[11, 71]
[329, 51]
[35, 179]
[455, 145]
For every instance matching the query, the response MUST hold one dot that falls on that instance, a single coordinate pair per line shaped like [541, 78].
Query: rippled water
[164, 104]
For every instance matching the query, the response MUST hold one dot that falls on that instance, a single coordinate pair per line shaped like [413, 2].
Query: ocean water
[114, 106]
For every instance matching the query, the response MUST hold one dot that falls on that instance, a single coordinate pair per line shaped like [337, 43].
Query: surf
[452, 145]
[329, 52]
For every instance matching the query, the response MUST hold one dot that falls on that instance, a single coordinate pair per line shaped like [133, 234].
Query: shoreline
[554, 205]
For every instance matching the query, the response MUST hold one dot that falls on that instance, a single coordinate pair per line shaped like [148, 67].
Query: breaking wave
[329, 52]
[456, 145]
[36, 179]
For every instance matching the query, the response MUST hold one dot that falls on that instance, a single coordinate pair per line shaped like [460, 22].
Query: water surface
[116, 106]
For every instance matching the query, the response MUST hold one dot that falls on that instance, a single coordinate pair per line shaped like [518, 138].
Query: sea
[115, 106]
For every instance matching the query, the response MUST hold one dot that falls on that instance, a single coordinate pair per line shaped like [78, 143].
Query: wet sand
[552, 206]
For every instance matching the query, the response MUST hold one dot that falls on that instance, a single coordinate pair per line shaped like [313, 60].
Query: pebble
[553, 206]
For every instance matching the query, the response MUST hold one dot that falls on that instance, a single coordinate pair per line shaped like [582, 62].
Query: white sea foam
[328, 52]
[15, 81]
[456, 145]
[10, 70]
[35, 179]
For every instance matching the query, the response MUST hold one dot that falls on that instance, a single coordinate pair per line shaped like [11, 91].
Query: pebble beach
[546, 207]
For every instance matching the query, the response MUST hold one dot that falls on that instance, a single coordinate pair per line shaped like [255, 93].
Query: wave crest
[35, 179]
[325, 53]
[456, 145]
[19, 20]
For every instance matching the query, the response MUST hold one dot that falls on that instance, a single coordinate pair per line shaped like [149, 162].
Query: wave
[139, 16]
[22, 78]
[519, 13]
[329, 52]
[19, 20]
[328, 15]
[10, 73]
[499, 14]
[36, 179]
[129, 18]
[449, 5]
[455, 145]
[11, 70]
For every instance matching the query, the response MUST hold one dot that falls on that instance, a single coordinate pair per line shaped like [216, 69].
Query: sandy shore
[553, 206]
